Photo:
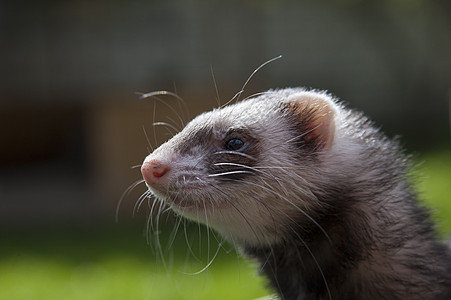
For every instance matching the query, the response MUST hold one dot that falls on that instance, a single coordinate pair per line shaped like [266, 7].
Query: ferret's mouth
[189, 199]
[180, 186]
[186, 192]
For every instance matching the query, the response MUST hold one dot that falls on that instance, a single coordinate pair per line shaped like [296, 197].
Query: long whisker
[124, 195]
[268, 175]
[166, 125]
[208, 234]
[150, 221]
[182, 123]
[229, 173]
[236, 153]
[174, 233]
[151, 214]
[237, 95]
[259, 94]
[209, 264]
[154, 112]
[216, 86]
[157, 237]
[140, 200]
[189, 244]
[147, 195]
[173, 122]
[302, 134]
[255, 169]
[160, 93]
[150, 150]
[261, 167]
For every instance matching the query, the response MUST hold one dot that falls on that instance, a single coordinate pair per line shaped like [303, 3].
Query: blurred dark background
[71, 123]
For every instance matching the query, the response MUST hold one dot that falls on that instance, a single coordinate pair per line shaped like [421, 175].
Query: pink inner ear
[316, 118]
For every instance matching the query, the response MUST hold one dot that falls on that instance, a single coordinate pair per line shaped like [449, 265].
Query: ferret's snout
[153, 170]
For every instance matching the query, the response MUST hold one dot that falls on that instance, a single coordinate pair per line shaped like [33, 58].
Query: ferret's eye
[234, 144]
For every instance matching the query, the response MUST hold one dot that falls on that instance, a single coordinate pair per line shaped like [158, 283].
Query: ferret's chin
[232, 226]
[195, 210]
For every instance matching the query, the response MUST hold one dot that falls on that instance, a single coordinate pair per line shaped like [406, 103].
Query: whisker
[236, 153]
[259, 94]
[208, 234]
[182, 123]
[167, 125]
[167, 209]
[157, 237]
[173, 122]
[237, 95]
[216, 86]
[189, 244]
[161, 93]
[229, 173]
[200, 236]
[208, 265]
[140, 200]
[149, 225]
[174, 233]
[268, 175]
[151, 214]
[302, 134]
[124, 195]
[153, 120]
[182, 104]
[147, 139]
[260, 168]
[256, 169]
[278, 167]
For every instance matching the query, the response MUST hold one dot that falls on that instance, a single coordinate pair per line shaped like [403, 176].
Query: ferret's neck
[311, 264]
[358, 258]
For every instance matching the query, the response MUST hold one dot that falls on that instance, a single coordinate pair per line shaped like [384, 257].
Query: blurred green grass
[116, 263]
[434, 186]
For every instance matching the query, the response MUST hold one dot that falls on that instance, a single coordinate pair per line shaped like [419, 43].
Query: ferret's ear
[314, 116]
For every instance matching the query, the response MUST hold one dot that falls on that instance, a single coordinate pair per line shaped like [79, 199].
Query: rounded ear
[314, 116]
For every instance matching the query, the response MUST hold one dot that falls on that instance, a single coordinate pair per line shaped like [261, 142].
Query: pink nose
[152, 171]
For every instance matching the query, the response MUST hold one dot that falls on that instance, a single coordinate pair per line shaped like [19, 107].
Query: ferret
[311, 190]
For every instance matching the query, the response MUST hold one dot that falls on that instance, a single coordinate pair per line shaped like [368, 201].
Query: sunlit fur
[335, 221]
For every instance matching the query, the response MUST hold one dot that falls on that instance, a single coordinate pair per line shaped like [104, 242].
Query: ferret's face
[246, 169]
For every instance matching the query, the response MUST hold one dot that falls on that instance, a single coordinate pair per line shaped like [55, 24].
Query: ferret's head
[250, 169]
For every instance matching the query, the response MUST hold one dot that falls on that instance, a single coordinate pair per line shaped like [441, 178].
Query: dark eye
[234, 144]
